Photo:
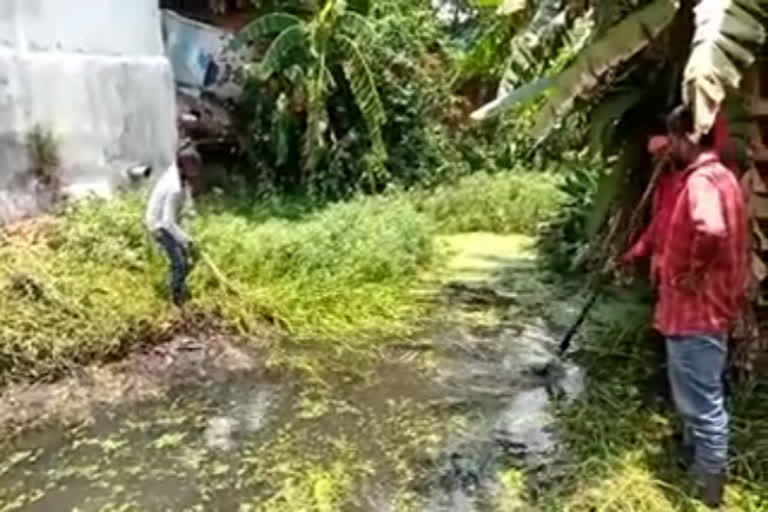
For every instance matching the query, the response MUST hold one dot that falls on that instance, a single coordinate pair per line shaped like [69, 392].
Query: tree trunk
[749, 357]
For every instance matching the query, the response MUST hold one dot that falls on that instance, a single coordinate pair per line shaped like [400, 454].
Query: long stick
[595, 285]
[565, 344]
[218, 273]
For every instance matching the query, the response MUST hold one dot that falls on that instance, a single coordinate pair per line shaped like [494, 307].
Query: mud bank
[146, 375]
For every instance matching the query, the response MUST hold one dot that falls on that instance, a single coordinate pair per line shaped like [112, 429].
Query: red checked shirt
[651, 241]
[703, 269]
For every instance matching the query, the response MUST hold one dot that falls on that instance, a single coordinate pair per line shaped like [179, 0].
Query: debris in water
[525, 429]
[218, 435]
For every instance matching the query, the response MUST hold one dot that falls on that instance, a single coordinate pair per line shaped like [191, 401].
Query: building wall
[94, 73]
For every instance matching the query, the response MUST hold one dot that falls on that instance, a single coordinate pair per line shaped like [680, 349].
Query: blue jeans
[177, 254]
[695, 368]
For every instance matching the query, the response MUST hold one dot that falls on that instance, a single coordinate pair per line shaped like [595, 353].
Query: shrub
[508, 202]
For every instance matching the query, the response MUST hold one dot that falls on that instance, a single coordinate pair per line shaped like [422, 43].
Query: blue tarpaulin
[199, 54]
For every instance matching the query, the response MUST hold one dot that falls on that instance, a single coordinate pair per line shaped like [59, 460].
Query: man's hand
[624, 271]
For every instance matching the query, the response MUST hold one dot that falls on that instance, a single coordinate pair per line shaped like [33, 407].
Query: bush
[341, 271]
[566, 236]
[508, 202]
[424, 129]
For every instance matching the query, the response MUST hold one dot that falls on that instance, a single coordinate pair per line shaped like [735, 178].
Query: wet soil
[460, 418]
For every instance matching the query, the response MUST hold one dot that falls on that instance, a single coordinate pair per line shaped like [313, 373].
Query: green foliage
[554, 31]
[625, 79]
[588, 61]
[336, 271]
[614, 47]
[564, 237]
[507, 203]
[286, 45]
[362, 85]
[422, 134]
[488, 45]
[389, 78]
[537, 52]
[614, 89]
[315, 62]
[521, 41]
[91, 283]
[43, 154]
[80, 289]
[269, 25]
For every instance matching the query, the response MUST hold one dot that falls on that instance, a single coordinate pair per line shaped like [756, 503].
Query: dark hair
[188, 156]
[680, 123]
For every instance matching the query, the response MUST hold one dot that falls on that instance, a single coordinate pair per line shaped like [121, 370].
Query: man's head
[190, 167]
[680, 128]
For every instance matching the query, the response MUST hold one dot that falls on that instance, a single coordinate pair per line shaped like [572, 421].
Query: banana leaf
[268, 25]
[519, 95]
[728, 35]
[618, 44]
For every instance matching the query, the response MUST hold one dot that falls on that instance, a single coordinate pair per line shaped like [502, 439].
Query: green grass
[341, 272]
[620, 459]
[91, 285]
[505, 203]
[336, 273]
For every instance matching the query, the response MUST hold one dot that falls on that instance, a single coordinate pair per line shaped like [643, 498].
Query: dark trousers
[180, 264]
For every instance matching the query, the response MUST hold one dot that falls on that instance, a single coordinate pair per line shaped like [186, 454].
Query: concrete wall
[95, 74]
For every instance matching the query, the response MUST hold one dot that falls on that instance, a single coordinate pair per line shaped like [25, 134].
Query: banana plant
[729, 33]
[727, 37]
[313, 52]
[618, 44]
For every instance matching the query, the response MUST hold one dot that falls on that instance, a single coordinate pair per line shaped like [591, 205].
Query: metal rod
[595, 285]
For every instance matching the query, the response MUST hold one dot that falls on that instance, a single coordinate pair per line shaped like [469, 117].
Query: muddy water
[460, 419]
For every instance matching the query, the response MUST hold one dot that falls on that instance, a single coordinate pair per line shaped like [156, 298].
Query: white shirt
[165, 204]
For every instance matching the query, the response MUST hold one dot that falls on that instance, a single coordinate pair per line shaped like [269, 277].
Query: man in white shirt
[163, 217]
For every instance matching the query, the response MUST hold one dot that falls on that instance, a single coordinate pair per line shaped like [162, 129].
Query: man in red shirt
[700, 251]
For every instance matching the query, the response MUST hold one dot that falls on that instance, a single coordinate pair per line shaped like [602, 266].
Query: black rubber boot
[683, 453]
[685, 456]
[712, 490]
[180, 298]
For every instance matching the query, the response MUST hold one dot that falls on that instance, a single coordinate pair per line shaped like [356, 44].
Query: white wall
[95, 74]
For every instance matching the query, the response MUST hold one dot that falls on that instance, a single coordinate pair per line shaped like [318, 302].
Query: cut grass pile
[90, 284]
